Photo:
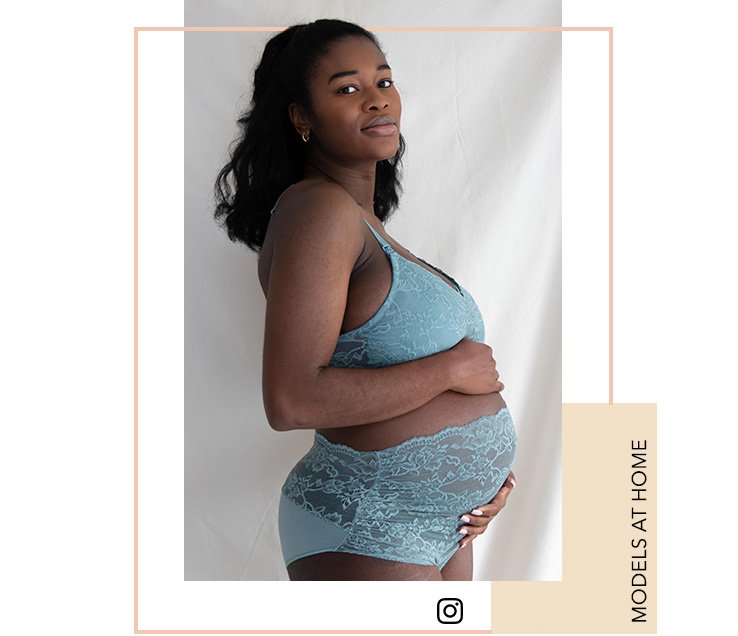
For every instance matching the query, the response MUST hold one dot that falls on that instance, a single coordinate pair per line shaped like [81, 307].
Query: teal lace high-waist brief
[401, 503]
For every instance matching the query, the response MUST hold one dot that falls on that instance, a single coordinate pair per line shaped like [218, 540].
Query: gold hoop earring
[305, 135]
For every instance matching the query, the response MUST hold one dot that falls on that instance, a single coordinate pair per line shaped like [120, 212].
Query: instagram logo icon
[450, 610]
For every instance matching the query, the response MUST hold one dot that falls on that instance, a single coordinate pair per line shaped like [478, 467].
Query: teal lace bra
[421, 315]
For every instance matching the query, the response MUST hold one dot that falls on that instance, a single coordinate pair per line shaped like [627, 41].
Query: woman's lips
[382, 130]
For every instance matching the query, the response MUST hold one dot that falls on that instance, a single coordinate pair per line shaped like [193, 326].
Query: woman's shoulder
[315, 206]
[316, 197]
[312, 217]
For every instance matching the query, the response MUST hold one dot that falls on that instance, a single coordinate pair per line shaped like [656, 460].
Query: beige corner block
[609, 551]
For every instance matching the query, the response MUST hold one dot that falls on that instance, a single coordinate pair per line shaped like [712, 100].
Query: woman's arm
[317, 238]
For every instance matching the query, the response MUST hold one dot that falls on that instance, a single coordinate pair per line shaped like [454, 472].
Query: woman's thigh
[460, 566]
[339, 566]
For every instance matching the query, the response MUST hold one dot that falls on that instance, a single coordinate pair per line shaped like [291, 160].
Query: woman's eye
[350, 89]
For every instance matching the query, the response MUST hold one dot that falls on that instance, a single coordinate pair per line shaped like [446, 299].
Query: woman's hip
[401, 503]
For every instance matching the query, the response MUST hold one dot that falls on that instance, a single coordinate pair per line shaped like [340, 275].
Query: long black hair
[269, 155]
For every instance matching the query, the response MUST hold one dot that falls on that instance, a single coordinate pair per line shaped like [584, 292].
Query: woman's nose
[375, 99]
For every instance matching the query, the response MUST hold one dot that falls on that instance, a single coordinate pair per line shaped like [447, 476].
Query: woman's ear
[298, 118]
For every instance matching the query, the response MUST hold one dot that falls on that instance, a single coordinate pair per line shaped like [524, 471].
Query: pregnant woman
[375, 349]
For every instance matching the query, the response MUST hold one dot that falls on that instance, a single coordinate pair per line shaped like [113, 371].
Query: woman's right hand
[474, 368]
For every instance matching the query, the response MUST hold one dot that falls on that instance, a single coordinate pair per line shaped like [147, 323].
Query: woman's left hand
[476, 521]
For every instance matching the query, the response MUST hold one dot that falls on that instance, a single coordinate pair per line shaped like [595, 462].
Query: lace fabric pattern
[403, 503]
[421, 315]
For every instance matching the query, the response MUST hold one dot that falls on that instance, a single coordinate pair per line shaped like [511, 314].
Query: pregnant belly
[447, 409]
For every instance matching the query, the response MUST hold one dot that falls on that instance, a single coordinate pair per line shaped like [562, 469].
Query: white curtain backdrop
[482, 200]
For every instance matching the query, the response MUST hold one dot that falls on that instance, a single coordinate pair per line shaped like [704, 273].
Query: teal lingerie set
[401, 503]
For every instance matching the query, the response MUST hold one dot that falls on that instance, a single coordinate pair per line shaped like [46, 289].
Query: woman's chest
[403, 314]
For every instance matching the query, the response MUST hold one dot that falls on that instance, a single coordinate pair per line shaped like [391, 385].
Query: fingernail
[463, 545]
[462, 531]
[477, 512]
[512, 481]
[465, 519]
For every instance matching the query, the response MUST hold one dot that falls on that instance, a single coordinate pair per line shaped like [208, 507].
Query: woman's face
[356, 108]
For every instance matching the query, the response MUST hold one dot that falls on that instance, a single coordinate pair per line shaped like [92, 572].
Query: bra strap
[274, 207]
[385, 245]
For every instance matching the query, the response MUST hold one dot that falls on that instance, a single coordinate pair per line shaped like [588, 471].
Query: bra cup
[421, 315]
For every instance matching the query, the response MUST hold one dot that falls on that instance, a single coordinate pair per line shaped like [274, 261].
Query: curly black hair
[268, 156]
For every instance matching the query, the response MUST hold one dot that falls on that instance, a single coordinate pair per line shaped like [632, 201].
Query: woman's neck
[357, 181]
